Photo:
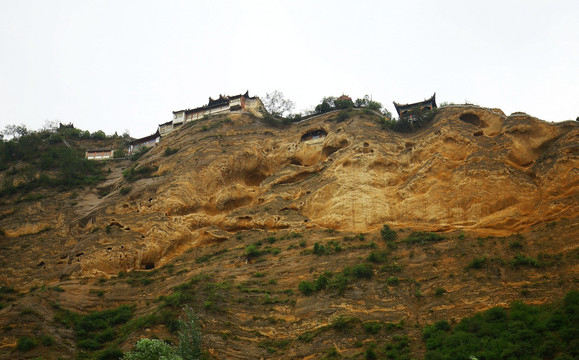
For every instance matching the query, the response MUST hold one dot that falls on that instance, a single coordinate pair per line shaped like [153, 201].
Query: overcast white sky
[116, 65]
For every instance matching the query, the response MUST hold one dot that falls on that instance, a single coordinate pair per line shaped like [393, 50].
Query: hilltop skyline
[113, 66]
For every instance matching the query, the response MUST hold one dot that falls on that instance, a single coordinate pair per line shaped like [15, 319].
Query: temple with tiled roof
[406, 109]
[222, 105]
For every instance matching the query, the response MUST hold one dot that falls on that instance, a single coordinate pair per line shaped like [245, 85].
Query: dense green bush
[326, 105]
[306, 287]
[170, 151]
[26, 343]
[372, 327]
[378, 256]
[522, 260]
[388, 234]
[89, 344]
[111, 353]
[360, 271]
[521, 332]
[367, 102]
[189, 347]
[330, 103]
[440, 291]
[340, 282]
[319, 249]
[477, 263]
[322, 281]
[423, 237]
[46, 340]
[370, 354]
[152, 349]
[98, 135]
[106, 335]
[252, 251]
[343, 322]
[399, 348]
[343, 104]
[95, 329]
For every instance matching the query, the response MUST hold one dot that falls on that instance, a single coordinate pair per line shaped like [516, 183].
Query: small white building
[99, 154]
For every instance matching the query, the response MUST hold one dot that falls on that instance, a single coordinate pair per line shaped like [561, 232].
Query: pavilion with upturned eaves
[405, 110]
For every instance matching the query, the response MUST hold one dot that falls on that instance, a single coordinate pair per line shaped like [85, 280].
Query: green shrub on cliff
[26, 343]
[189, 347]
[152, 349]
[521, 332]
[422, 237]
[388, 234]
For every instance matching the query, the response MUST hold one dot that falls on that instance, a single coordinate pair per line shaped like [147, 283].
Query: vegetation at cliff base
[521, 332]
[97, 329]
[189, 347]
[421, 237]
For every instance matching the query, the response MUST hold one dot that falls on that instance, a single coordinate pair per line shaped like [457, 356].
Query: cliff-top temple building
[223, 105]
[406, 109]
[147, 141]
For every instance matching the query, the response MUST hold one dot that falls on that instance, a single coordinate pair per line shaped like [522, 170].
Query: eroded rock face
[472, 169]
[470, 173]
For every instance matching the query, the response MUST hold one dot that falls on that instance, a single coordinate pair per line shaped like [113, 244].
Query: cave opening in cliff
[254, 177]
[471, 119]
[313, 135]
[296, 161]
[148, 265]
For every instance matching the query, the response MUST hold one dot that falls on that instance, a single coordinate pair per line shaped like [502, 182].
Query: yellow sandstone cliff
[472, 170]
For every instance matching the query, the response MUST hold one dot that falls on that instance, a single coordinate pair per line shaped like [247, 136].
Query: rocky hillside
[484, 208]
